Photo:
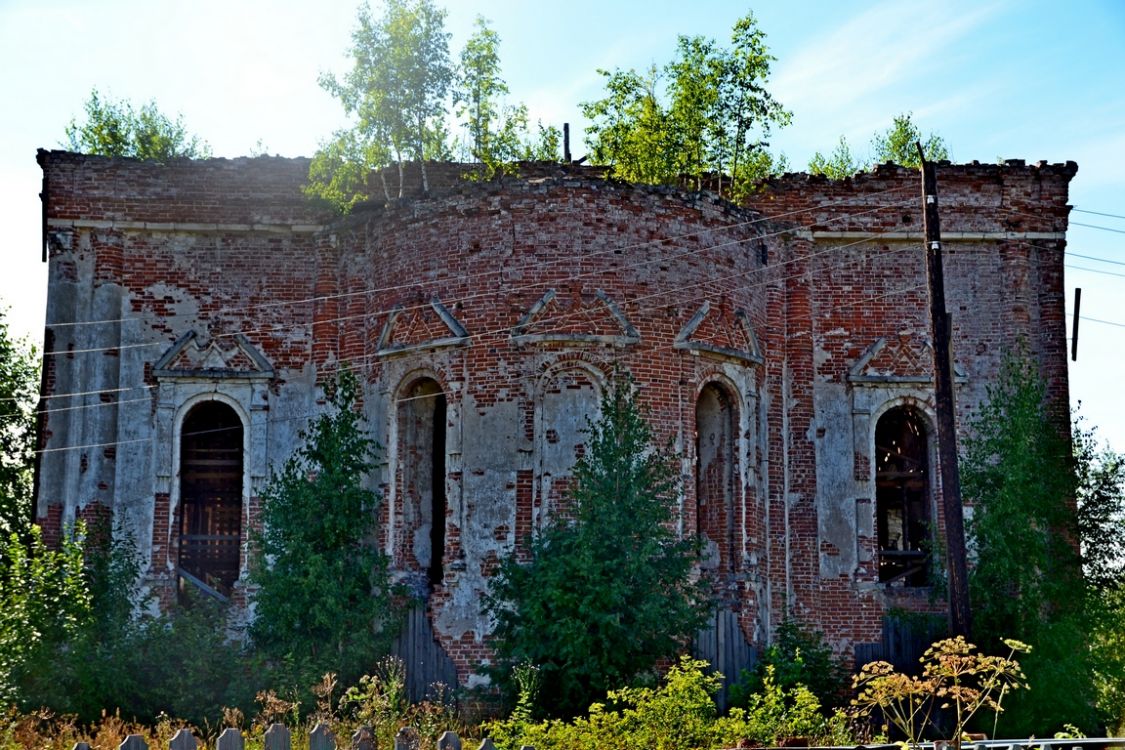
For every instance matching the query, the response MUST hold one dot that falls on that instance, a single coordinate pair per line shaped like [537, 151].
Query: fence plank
[183, 740]
[230, 739]
[363, 739]
[133, 742]
[408, 739]
[277, 737]
[81, 746]
[449, 741]
[486, 744]
[321, 738]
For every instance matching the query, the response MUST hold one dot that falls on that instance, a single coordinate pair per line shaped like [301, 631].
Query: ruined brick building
[195, 308]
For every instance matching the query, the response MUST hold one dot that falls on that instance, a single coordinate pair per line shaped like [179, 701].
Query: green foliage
[72, 640]
[1108, 645]
[19, 387]
[395, 93]
[839, 164]
[678, 715]
[797, 656]
[116, 128]
[899, 144]
[495, 130]
[324, 600]
[1019, 471]
[955, 675]
[44, 602]
[379, 701]
[607, 595]
[702, 116]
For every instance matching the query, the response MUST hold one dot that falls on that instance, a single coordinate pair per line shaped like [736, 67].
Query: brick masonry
[766, 340]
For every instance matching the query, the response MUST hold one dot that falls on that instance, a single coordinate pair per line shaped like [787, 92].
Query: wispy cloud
[883, 46]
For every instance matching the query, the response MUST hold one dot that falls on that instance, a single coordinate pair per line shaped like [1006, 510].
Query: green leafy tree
[609, 592]
[1101, 521]
[19, 387]
[116, 128]
[899, 144]
[324, 599]
[838, 164]
[1027, 581]
[396, 93]
[494, 128]
[44, 602]
[700, 119]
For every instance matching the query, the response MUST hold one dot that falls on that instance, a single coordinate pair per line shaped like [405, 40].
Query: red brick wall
[309, 299]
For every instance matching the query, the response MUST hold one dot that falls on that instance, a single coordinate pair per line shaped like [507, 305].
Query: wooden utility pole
[952, 511]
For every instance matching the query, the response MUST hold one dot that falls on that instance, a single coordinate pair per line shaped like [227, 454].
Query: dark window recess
[210, 499]
[715, 465]
[423, 472]
[902, 498]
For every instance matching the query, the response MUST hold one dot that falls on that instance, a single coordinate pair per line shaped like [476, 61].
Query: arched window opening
[210, 499]
[422, 414]
[715, 471]
[902, 498]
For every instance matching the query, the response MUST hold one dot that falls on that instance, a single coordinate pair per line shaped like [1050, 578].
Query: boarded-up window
[902, 498]
[421, 455]
[210, 498]
[715, 472]
[570, 399]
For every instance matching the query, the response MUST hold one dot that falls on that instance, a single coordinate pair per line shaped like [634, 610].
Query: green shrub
[678, 715]
[797, 656]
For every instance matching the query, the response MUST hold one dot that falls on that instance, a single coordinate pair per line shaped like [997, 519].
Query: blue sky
[1030, 80]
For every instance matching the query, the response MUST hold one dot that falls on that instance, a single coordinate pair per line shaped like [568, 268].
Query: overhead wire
[720, 291]
[551, 262]
[633, 351]
[544, 283]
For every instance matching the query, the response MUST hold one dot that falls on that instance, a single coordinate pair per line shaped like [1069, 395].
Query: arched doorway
[211, 476]
[716, 462]
[902, 498]
[421, 454]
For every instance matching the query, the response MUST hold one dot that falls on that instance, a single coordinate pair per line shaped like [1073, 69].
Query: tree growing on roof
[116, 128]
[395, 92]
[898, 144]
[703, 115]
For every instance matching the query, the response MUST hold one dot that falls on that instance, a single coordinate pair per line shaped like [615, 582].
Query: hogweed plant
[955, 675]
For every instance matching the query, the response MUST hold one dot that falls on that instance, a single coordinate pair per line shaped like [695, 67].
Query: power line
[633, 351]
[566, 260]
[1097, 213]
[477, 295]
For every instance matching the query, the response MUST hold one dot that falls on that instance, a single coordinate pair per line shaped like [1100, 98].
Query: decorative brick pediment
[721, 333]
[429, 325]
[575, 318]
[192, 356]
[905, 358]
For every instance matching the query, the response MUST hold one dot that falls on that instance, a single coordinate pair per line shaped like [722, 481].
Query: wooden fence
[278, 737]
